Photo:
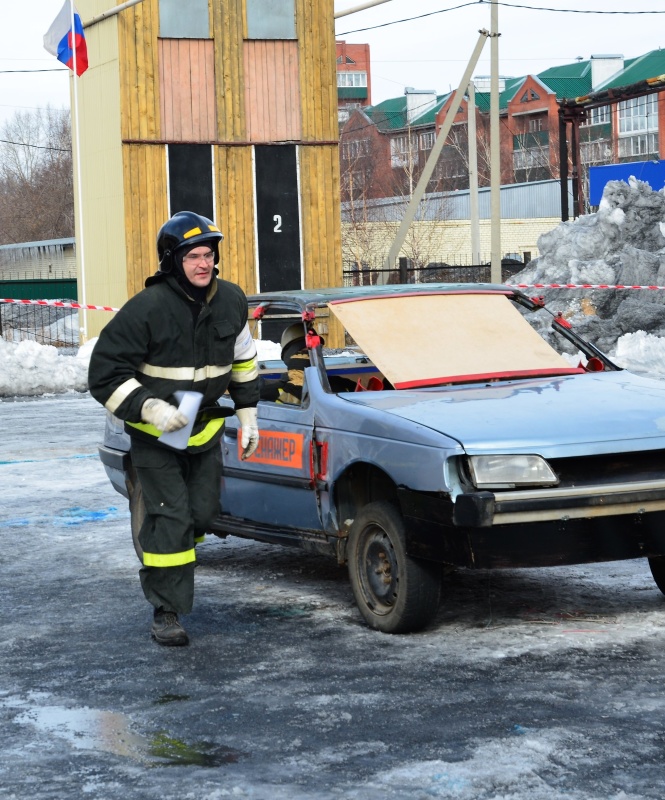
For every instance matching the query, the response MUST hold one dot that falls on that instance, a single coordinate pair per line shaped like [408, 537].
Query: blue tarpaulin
[651, 172]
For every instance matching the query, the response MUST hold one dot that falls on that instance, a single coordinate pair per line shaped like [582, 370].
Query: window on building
[532, 140]
[452, 168]
[638, 127]
[427, 140]
[270, 19]
[402, 151]
[531, 157]
[525, 159]
[354, 182]
[529, 95]
[352, 79]
[644, 144]
[178, 20]
[596, 152]
[536, 124]
[599, 116]
[638, 114]
[356, 148]
[345, 60]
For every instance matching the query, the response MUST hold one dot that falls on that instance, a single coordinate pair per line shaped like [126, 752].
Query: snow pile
[624, 243]
[31, 369]
[28, 368]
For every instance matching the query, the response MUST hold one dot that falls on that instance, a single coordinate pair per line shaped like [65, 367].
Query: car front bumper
[538, 527]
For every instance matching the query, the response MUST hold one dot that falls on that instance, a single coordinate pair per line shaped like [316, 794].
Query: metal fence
[42, 324]
[355, 275]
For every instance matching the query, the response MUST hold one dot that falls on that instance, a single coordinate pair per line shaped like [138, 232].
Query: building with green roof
[611, 110]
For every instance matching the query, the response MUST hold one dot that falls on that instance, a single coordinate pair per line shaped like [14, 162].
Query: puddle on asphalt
[109, 732]
[203, 754]
[171, 698]
[287, 611]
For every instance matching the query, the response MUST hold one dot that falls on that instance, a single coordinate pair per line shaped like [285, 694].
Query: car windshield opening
[429, 340]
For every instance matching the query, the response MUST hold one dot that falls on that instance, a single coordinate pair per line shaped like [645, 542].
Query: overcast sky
[426, 53]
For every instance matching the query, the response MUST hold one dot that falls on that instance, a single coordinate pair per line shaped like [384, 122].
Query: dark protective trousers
[181, 496]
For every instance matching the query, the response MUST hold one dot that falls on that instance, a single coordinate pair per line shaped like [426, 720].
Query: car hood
[590, 413]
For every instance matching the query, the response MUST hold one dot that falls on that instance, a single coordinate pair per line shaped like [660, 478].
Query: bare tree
[378, 176]
[361, 181]
[453, 166]
[36, 179]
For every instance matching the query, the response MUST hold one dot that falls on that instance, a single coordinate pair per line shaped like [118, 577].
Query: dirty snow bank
[622, 244]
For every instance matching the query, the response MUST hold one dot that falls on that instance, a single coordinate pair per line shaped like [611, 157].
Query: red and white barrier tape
[57, 304]
[577, 286]
[60, 304]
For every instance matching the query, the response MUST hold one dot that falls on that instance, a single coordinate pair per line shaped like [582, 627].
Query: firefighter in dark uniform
[295, 355]
[186, 331]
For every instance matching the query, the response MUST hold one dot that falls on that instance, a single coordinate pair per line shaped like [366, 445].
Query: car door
[276, 485]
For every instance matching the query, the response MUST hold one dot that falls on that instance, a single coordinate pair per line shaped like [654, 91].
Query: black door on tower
[277, 217]
[278, 225]
[190, 179]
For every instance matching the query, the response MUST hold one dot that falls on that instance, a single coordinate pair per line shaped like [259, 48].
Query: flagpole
[77, 154]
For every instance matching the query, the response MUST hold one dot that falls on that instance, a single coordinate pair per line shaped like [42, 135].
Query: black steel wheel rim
[379, 574]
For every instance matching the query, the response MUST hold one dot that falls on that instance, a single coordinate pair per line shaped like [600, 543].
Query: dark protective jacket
[155, 346]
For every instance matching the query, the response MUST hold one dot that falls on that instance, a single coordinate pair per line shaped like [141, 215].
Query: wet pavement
[532, 684]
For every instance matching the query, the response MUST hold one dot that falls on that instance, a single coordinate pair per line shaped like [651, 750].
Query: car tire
[395, 593]
[137, 514]
[657, 567]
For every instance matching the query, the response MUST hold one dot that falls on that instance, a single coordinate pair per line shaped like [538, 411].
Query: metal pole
[356, 8]
[111, 12]
[578, 178]
[428, 169]
[563, 165]
[495, 149]
[575, 169]
[473, 176]
[76, 143]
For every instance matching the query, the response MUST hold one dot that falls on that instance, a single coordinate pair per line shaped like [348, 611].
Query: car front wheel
[394, 592]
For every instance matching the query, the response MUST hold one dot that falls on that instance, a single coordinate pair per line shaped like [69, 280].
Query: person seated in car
[295, 355]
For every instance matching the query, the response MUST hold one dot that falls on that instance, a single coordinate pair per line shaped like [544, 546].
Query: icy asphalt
[533, 684]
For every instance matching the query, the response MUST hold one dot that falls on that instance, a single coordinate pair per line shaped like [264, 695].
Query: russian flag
[58, 39]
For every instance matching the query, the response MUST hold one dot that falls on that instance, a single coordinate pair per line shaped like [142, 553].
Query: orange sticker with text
[278, 449]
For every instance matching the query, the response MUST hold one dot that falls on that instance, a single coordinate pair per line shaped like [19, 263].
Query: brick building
[354, 78]
[612, 109]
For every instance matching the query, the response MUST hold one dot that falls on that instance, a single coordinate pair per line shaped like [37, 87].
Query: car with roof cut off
[469, 441]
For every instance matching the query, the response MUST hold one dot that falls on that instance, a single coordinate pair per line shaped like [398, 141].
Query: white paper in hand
[189, 406]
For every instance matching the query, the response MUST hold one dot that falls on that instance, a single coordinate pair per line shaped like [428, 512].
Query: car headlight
[508, 471]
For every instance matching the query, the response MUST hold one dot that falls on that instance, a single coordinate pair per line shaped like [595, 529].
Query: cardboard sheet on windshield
[427, 340]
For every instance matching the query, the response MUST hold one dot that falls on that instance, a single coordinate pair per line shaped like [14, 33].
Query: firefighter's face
[198, 265]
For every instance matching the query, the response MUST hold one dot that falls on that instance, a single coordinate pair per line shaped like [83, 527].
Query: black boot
[167, 630]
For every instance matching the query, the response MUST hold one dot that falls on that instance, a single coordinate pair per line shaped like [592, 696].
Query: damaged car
[465, 439]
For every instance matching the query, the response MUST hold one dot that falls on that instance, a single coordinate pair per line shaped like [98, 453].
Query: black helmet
[185, 229]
